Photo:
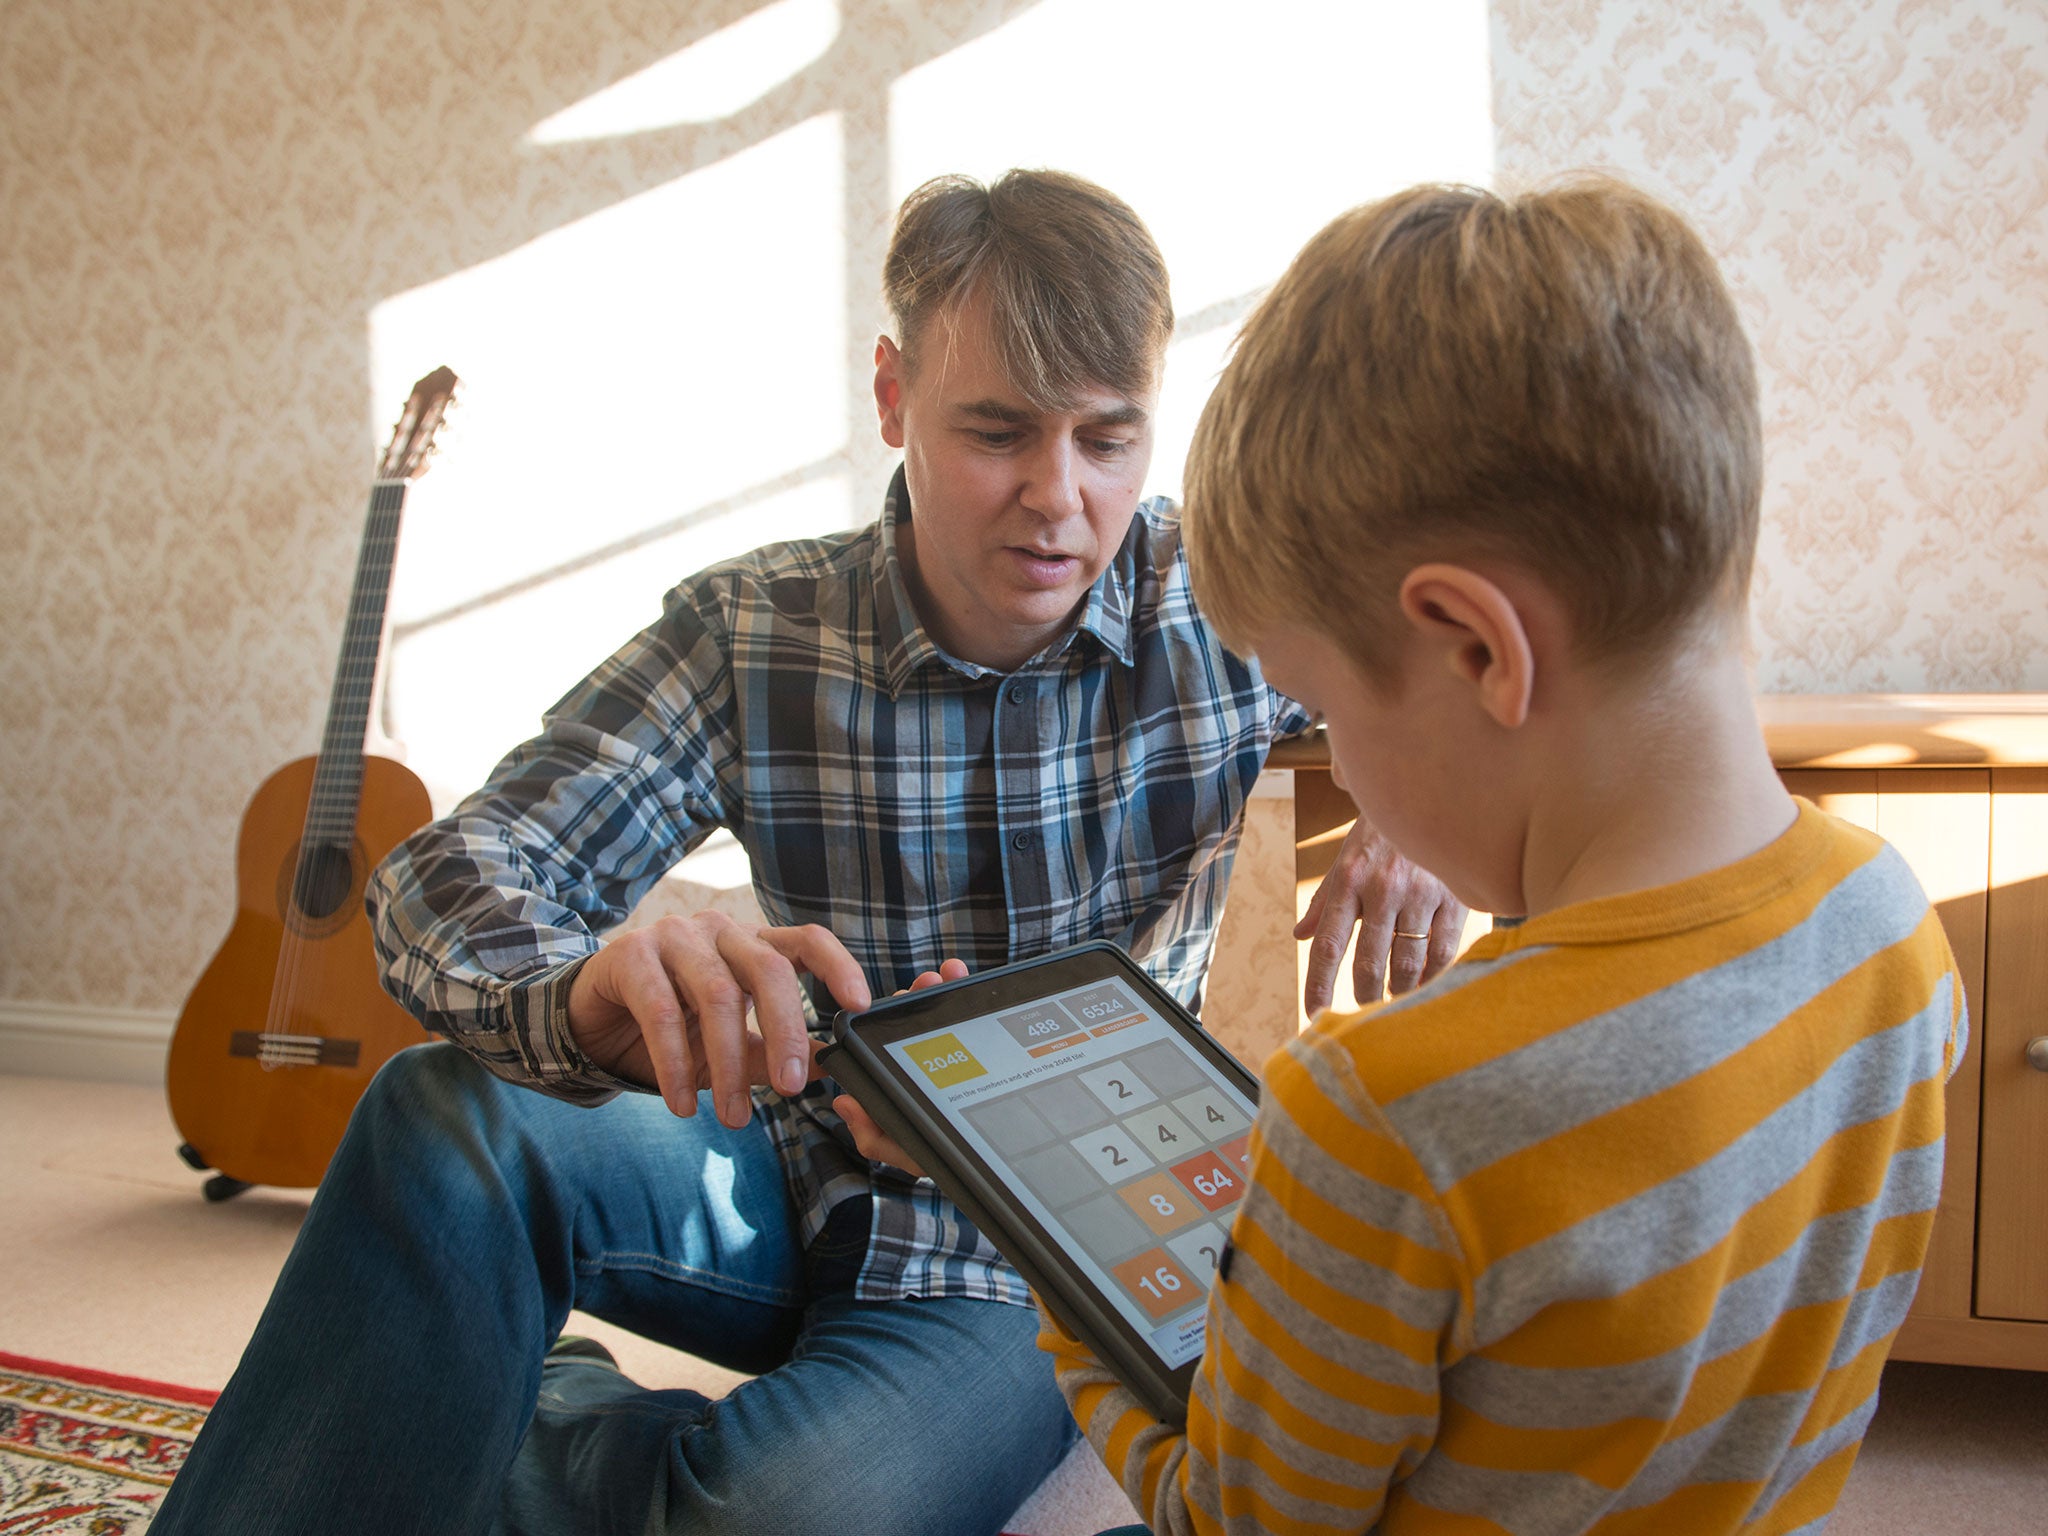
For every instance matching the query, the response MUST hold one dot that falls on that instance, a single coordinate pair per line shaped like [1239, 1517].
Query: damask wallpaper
[202, 202]
[210, 209]
[1874, 179]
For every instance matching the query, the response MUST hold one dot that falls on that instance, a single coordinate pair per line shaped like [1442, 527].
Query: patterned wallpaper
[203, 201]
[1874, 178]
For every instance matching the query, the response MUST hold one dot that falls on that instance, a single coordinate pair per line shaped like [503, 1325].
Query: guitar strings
[331, 810]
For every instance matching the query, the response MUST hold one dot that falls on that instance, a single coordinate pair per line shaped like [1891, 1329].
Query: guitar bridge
[275, 1050]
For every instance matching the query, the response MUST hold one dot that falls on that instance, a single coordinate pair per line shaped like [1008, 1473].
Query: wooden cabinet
[1978, 839]
[1962, 793]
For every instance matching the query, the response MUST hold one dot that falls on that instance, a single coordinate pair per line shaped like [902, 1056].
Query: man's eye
[997, 439]
[1109, 447]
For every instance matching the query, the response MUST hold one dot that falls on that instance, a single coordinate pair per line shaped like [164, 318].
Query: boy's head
[1480, 484]
[1032, 316]
[1557, 382]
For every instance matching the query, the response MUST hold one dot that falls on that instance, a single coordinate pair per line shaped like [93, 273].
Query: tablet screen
[1127, 1146]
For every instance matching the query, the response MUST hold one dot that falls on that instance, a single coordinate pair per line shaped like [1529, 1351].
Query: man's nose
[1052, 485]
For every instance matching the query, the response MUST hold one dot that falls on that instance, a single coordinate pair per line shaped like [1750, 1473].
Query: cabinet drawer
[2012, 1209]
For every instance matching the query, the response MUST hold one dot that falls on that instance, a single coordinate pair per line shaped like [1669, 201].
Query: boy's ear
[889, 390]
[1480, 633]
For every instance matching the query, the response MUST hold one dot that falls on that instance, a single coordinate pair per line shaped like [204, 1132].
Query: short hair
[1558, 379]
[1075, 286]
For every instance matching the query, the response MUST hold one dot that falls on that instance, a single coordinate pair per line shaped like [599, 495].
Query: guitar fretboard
[338, 775]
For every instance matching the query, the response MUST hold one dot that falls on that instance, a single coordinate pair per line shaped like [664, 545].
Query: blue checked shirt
[916, 805]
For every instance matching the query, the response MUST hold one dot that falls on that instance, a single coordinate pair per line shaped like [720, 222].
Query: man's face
[1015, 511]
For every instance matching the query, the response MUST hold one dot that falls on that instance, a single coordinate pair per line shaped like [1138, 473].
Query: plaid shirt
[916, 805]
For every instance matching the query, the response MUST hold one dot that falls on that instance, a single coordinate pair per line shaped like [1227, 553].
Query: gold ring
[1403, 933]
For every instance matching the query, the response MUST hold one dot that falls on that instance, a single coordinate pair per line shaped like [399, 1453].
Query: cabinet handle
[2037, 1053]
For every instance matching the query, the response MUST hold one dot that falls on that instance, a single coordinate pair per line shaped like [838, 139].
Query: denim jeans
[396, 1382]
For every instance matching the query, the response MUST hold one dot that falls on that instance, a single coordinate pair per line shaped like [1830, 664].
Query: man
[989, 725]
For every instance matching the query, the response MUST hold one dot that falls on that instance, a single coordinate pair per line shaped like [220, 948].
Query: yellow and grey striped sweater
[1607, 1229]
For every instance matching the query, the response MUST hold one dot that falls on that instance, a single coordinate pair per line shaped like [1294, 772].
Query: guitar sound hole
[324, 880]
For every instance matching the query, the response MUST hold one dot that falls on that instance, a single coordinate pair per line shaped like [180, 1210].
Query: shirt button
[1016, 693]
[1021, 841]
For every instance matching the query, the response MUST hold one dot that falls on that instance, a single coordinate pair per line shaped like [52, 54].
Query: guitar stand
[218, 1188]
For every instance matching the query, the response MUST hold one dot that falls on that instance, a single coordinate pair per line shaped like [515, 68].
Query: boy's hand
[1390, 902]
[667, 1005]
[873, 1142]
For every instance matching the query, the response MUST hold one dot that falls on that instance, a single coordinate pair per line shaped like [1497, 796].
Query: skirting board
[105, 1045]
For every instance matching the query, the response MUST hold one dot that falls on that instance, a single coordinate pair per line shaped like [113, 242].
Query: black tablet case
[852, 1075]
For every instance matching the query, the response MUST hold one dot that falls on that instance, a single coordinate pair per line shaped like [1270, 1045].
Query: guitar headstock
[412, 440]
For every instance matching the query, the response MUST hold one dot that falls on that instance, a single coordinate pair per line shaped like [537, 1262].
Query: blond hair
[1075, 287]
[1559, 380]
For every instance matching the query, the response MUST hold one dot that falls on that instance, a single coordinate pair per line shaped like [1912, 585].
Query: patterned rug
[83, 1453]
[87, 1453]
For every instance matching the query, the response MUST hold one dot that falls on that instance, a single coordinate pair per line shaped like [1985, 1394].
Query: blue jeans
[396, 1383]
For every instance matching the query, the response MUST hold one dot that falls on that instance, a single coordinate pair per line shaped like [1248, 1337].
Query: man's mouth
[1046, 567]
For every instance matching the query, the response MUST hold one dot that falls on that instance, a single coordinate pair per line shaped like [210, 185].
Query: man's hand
[667, 1005]
[1393, 904]
[874, 1143]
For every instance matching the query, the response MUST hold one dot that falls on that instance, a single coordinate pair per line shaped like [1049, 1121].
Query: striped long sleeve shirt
[1609, 1228]
[917, 805]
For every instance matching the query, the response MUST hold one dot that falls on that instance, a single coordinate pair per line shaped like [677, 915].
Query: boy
[1610, 1227]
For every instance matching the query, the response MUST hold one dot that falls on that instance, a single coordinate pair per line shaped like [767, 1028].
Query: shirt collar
[905, 646]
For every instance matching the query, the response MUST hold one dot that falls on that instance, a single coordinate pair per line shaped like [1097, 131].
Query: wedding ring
[1403, 933]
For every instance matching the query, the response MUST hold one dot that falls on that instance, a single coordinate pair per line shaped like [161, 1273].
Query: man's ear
[889, 390]
[1479, 632]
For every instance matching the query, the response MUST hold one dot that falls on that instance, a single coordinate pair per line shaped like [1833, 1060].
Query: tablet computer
[1089, 1126]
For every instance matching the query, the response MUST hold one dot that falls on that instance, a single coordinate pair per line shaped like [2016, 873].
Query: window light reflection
[712, 78]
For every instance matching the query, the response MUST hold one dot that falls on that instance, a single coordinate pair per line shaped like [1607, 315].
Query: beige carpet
[109, 1258]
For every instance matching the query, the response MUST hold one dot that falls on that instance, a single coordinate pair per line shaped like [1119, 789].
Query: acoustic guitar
[285, 1027]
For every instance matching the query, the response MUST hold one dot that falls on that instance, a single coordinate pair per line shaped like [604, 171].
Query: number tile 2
[1199, 1248]
[1118, 1087]
[1112, 1153]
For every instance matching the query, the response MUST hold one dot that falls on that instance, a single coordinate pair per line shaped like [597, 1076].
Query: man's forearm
[469, 947]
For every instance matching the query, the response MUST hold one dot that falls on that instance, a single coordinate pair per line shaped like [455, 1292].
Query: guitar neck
[338, 775]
